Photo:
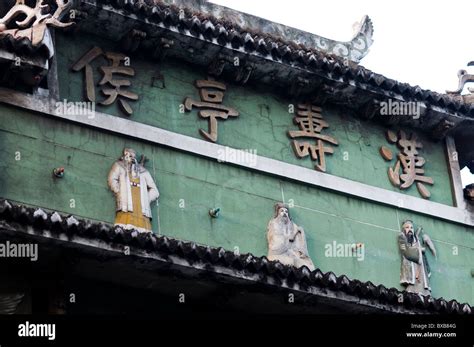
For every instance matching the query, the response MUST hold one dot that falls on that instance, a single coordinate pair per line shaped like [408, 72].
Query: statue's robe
[287, 244]
[134, 196]
[414, 272]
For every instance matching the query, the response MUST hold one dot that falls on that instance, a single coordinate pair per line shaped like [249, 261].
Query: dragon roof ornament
[30, 20]
[464, 78]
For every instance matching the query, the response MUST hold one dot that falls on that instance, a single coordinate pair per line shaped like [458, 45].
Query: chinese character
[111, 87]
[212, 94]
[311, 123]
[409, 166]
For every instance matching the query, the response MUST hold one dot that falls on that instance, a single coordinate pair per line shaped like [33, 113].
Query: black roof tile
[211, 256]
[231, 33]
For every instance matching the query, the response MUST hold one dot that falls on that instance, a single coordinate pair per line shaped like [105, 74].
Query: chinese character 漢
[311, 123]
[409, 166]
[211, 94]
[112, 87]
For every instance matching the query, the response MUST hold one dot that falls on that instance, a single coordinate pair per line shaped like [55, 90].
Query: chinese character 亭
[211, 94]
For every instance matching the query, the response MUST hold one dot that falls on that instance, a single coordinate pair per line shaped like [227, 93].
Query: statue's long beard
[284, 224]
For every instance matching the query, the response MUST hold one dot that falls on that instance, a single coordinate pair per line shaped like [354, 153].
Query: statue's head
[129, 155]
[282, 211]
[408, 227]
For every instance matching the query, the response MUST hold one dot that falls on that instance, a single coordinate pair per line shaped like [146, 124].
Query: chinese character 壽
[112, 87]
[311, 123]
[211, 94]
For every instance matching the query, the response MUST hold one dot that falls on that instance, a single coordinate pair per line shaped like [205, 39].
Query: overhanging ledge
[20, 223]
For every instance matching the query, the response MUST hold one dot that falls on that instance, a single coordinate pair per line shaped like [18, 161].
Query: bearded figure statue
[415, 270]
[286, 240]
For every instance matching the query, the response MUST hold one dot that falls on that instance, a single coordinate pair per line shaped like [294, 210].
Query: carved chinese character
[409, 166]
[211, 94]
[311, 123]
[112, 87]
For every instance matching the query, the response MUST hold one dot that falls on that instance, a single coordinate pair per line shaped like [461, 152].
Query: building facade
[224, 115]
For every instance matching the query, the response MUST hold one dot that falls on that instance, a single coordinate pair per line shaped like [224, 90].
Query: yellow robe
[135, 218]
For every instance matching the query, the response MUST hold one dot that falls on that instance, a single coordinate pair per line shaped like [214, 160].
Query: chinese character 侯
[112, 87]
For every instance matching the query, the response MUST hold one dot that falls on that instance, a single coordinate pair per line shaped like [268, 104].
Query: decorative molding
[274, 167]
[454, 173]
[23, 21]
[464, 78]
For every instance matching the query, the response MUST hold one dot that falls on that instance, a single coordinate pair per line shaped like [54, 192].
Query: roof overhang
[148, 260]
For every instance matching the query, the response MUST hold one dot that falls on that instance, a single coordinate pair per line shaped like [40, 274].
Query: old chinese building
[177, 157]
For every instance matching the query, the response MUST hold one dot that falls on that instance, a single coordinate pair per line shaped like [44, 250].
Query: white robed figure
[286, 240]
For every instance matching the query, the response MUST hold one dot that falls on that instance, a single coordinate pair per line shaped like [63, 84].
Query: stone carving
[358, 47]
[463, 79]
[286, 240]
[415, 271]
[32, 22]
[134, 190]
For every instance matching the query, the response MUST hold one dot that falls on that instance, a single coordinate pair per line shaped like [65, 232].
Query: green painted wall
[263, 122]
[246, 199]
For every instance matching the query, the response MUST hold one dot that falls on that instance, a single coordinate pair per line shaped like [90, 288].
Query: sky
[420, 42]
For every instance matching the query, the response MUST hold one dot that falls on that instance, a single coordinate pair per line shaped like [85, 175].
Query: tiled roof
[12, 215]
[226, 33]
[22, 46]
[201, 25]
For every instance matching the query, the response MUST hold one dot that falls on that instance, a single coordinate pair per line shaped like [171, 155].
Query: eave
[104, 242]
